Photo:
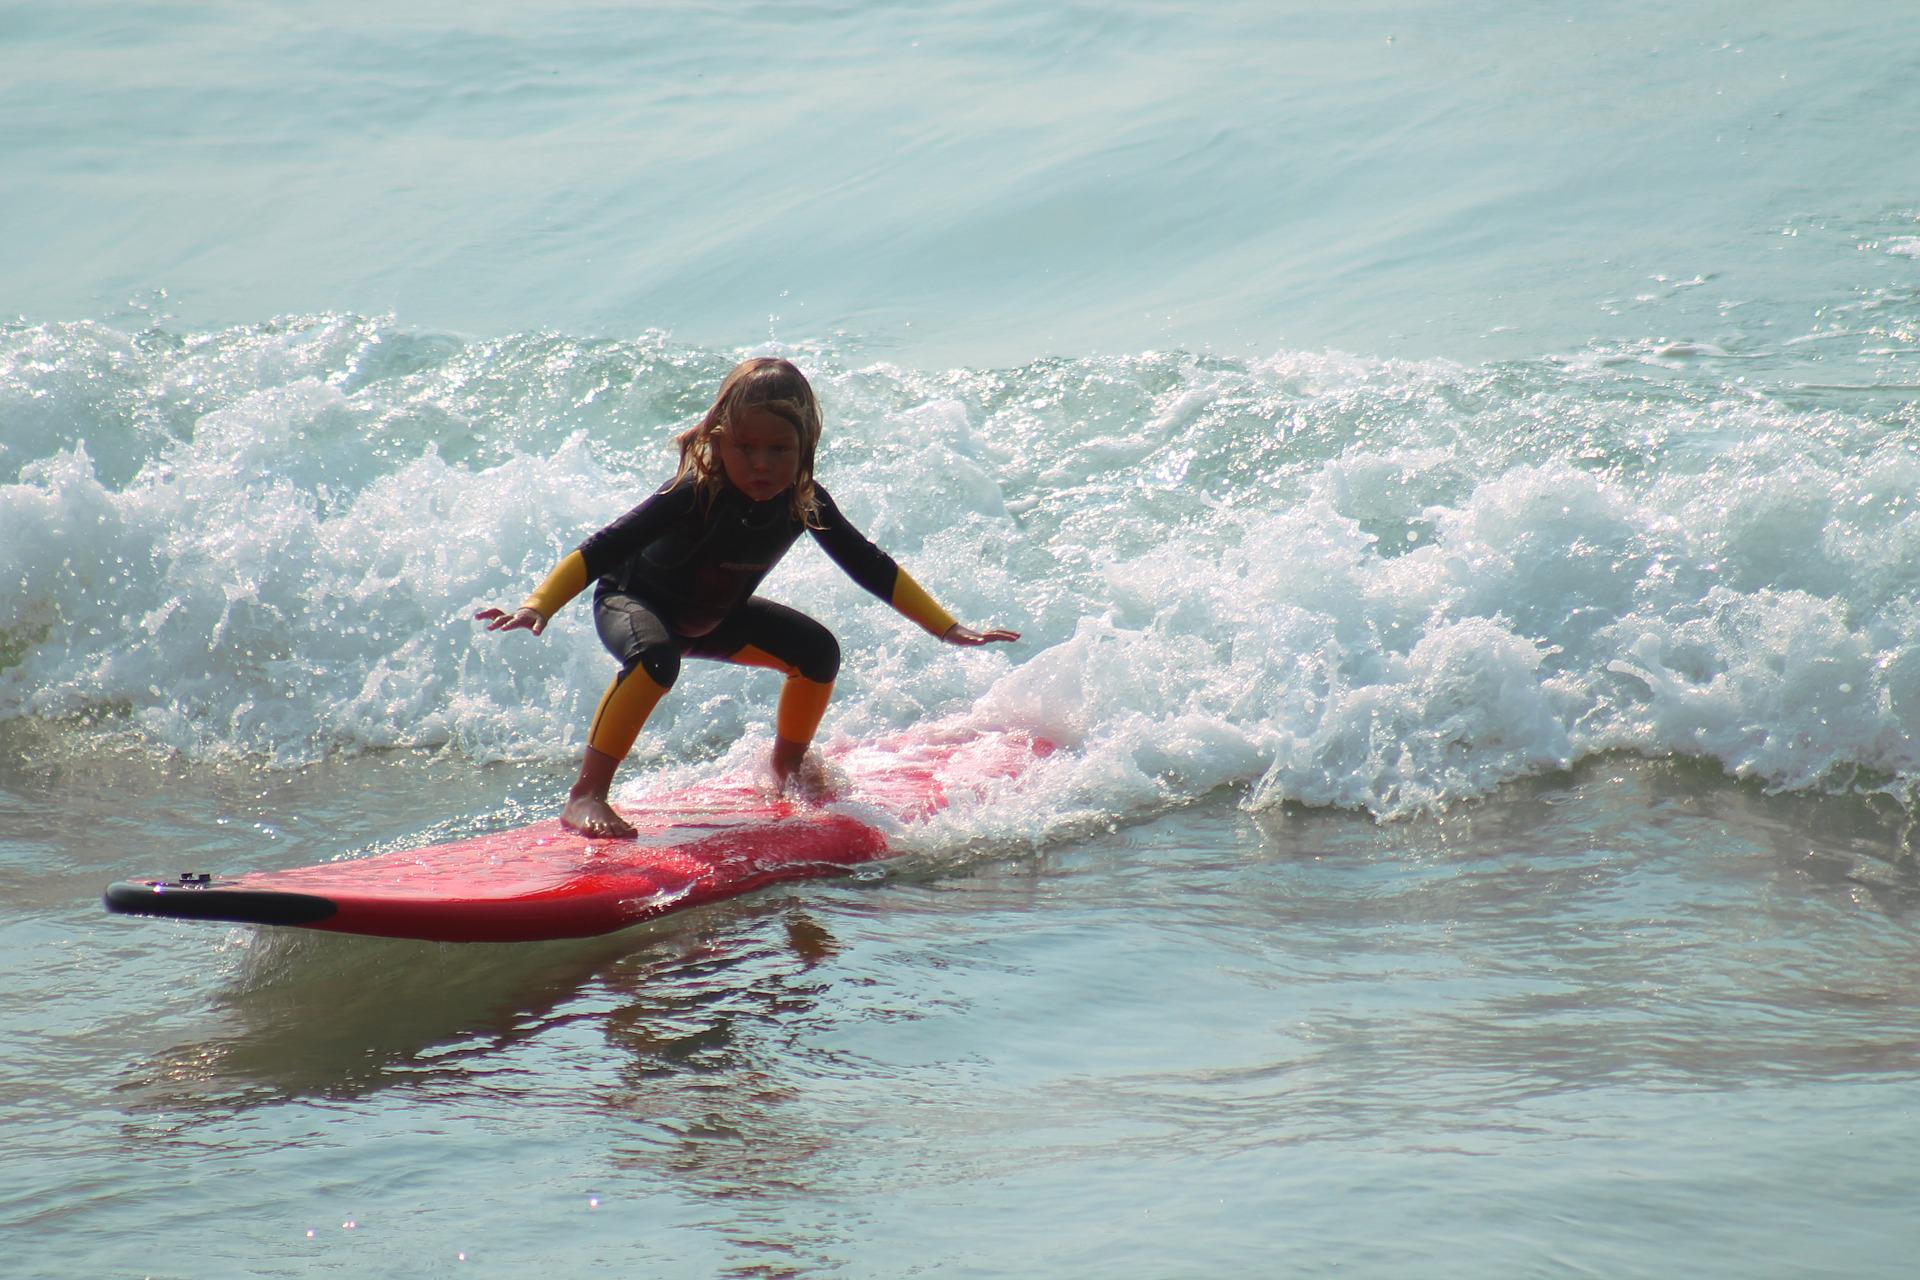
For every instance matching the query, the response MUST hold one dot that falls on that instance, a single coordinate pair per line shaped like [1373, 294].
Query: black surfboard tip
[195, 897]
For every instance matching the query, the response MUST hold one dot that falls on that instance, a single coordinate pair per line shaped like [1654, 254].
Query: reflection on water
[1212, 1001]
[684, 1046]
[317, 1015]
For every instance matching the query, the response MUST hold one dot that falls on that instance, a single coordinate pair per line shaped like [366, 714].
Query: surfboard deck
[695, 845]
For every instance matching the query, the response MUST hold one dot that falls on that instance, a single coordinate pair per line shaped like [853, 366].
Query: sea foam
[1320, 579]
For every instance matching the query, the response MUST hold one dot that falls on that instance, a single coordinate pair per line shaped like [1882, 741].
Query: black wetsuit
[690, 565]
[676, 577]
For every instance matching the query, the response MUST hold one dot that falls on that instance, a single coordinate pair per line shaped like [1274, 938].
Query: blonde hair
[764, 382]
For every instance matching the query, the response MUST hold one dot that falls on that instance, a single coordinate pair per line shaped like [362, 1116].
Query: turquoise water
[1454, 466]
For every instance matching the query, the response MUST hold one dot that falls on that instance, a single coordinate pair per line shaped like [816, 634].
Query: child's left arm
[881, 574]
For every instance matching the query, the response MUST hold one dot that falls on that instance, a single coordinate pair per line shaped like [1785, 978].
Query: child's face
[760, 453]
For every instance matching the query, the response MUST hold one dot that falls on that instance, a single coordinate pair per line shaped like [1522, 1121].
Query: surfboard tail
[203, 898]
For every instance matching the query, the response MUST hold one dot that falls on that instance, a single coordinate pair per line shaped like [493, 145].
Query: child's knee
[821, 662]
[660, 662]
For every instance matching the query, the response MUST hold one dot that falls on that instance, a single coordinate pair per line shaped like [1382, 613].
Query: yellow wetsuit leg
[803, 702]
[623, 709]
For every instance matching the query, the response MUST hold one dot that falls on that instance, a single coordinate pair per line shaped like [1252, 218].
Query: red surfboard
[695, 845]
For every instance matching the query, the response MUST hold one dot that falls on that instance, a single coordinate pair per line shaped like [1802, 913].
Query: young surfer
[676, 577]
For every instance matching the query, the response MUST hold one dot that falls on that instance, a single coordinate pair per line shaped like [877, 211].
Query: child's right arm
[568, 579]
[590, 559]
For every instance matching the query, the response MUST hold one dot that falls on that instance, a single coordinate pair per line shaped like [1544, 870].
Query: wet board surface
[695, 845]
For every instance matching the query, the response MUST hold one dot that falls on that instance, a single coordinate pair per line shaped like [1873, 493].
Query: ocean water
[1456, 468]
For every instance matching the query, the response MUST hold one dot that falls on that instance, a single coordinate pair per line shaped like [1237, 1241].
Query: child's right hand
[521, 619]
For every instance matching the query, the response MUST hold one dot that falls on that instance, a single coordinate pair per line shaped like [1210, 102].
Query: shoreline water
[1539, 1000]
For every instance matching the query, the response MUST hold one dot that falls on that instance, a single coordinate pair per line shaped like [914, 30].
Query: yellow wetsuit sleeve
[568, 579]
[911, 600]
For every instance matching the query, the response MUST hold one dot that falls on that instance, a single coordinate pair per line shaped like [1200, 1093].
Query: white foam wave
[1331, 581]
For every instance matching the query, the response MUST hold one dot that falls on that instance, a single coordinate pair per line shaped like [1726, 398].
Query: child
[676, 577]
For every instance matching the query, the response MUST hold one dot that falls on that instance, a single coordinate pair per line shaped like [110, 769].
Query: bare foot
[593, 816]
[808, 779]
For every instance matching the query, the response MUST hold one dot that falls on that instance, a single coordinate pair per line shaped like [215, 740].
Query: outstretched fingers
[962, 635]
[518, 620]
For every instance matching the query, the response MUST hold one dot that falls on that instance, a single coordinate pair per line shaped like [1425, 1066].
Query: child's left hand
[957, 634]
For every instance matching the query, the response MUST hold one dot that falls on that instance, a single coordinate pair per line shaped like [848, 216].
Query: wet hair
[774, 386]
